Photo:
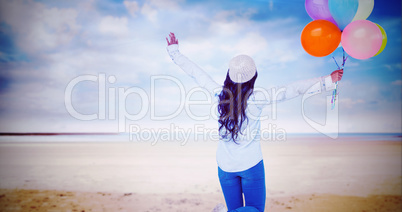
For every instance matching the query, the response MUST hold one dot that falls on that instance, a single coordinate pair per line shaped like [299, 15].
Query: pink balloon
[361, 39]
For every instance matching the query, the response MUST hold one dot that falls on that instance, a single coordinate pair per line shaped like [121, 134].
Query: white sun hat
[242, 68]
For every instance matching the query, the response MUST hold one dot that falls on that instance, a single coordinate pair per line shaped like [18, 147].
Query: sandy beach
[311, 175]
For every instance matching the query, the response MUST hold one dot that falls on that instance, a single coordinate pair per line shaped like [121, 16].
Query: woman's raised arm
[290, 91]
[195, 72]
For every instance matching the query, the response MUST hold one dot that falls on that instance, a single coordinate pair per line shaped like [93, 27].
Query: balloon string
[336, 62]
[344, 58]
[335, 91]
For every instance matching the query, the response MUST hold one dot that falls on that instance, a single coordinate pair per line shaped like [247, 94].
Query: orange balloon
[320, 38]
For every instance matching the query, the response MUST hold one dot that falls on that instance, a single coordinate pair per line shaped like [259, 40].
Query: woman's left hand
[337, 75]
[173, 39]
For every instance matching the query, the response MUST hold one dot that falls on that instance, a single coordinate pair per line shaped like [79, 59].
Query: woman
[239, 157]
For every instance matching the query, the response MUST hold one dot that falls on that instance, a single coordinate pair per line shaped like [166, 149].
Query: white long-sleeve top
[246, 152]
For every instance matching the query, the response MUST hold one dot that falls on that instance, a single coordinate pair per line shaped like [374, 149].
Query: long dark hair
[232, 106]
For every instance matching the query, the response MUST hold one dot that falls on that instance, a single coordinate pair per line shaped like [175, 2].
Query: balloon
[318, 9]
[364, 10]
[362, 39]
[343, 11]
[384, 40]
[320, 38]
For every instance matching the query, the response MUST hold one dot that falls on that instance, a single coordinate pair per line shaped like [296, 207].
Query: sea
[182, 138]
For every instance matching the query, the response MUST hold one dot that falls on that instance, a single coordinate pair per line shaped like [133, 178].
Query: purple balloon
[318, 9]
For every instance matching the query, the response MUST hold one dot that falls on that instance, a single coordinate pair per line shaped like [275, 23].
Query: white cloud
[225, 28]
[271, 5]
[132, 7]
[200, 49]
[393, 67]
[39, 28]
[150, 12]
[229, 22]
[151, 8]
[349, 102]
[166, 4]
[115, 26]
[396, 82]
[251, 44]
[88, 5]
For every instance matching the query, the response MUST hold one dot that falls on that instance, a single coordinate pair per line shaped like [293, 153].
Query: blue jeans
[250, 182]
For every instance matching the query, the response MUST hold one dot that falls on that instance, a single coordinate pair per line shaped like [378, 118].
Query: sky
[102, 66]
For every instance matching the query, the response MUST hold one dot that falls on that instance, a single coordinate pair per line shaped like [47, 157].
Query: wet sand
[45, 200]
[312, 175]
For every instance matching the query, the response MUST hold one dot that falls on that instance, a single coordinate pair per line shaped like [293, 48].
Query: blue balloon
[343, 11]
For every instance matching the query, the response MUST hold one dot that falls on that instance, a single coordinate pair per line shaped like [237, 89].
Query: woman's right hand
[173, 39]
[337, 75]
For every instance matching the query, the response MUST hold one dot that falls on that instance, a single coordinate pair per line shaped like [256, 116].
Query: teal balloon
[343, 11]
